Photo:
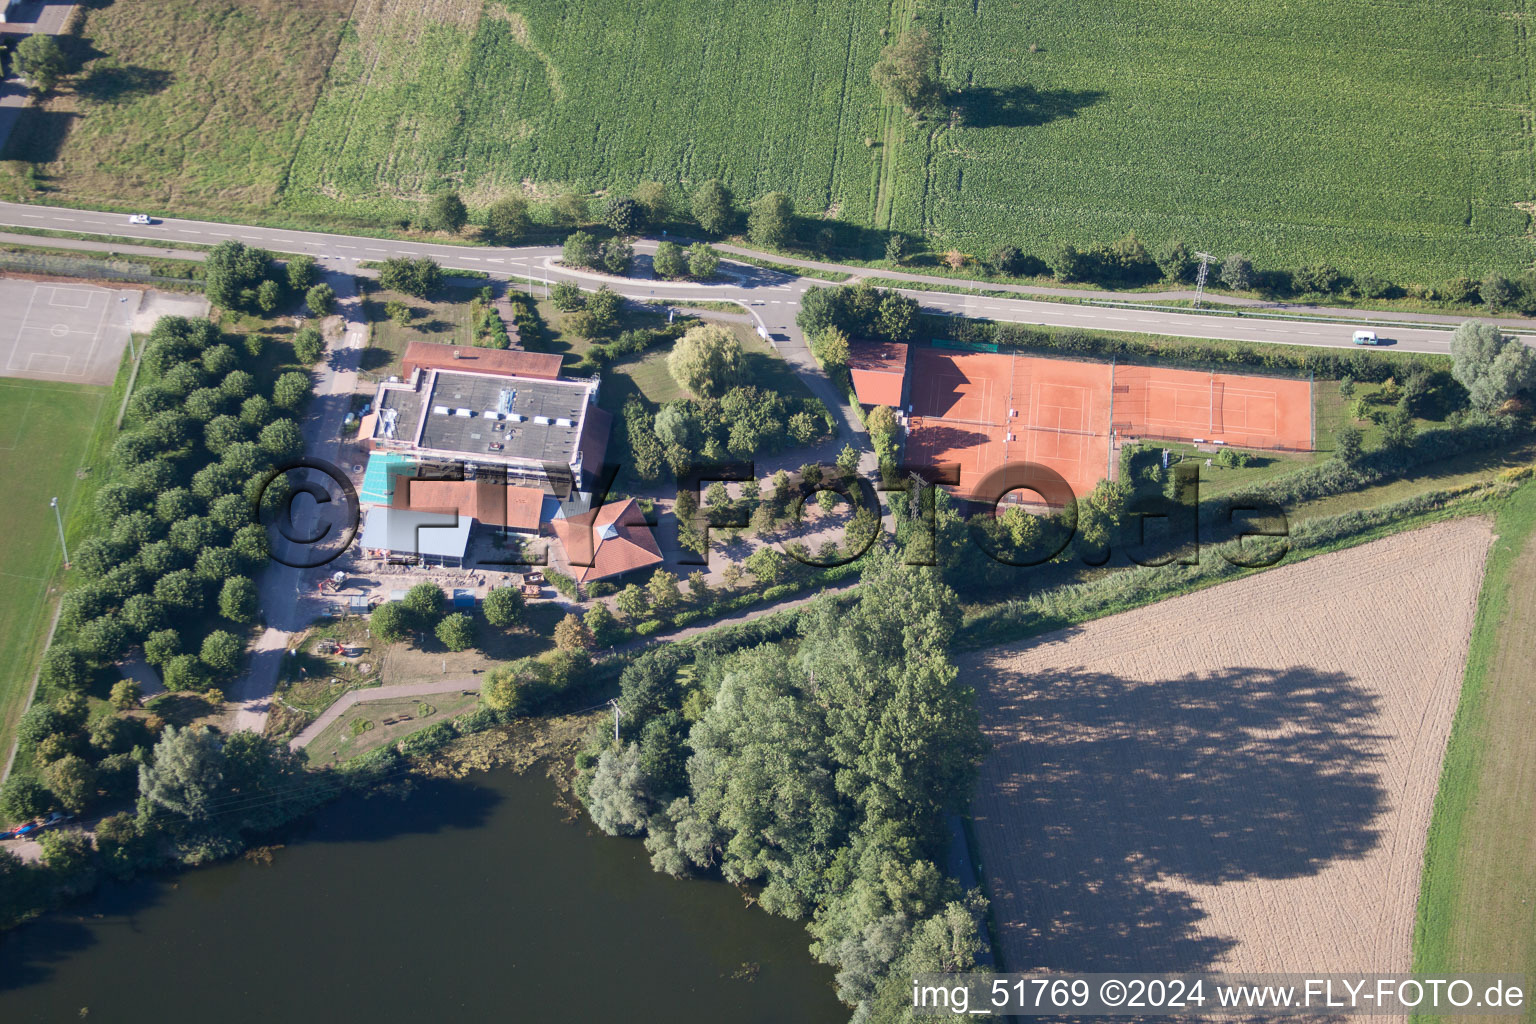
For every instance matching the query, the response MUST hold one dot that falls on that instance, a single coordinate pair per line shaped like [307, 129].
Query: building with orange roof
[428, 355]
[879, 372]
[485, 499]
[608, 541]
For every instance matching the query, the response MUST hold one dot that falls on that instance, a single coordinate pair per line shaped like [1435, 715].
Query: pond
[467, 901]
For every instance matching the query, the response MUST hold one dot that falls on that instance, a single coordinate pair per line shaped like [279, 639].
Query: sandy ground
[1240, 779]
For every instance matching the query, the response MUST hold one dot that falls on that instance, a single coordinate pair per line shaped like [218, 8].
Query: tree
[456, 631]
[72, 781]
[580, 250]
[507, 220]
[1497, 291]
[237, 599]
[603, 306]
[390, 622]
[290, 390]
[1237, 272]
[616, 255]
[186, 774]
[703, 261]
[64, 668]
[1068, 263]
[571, 634]
[623, 214]
[320, 299]
[446, 212]
[301, 272]
[504, 606]
[707, 360]
[632, 602]
[308, 343]
[425, 603]
[232, 269]
[1398, 429]
[669, 260]
[663, 591]
[283, 440]
[1491, 365]
[567, 297]
[268, 294]
[767, 565]
[771, 220]
[655, 200]
[830, 348]
[1006, 260]
[714, 207]
[618, 797]
[397, 311]
[23, 798]
[126, 694]
[571, 209]
[907, 72]
[161, 646]
[40, 60]
[222, 652]
[1175, 261]
[419, 277]
[898, 316]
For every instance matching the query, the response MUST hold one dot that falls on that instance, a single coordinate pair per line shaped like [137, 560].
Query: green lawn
[443, 320]
[52, 439]
[1474, 909]
[363, 727]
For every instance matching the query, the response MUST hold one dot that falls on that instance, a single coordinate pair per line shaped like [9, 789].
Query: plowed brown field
[1238, 779]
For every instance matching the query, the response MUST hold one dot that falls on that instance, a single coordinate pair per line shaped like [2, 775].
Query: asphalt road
[771, 298]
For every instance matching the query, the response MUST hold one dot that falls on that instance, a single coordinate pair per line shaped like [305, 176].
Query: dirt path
[1238, 779]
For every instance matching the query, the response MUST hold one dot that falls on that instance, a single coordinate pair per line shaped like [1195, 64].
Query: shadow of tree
[116, 84]
[1111, 792]
[1020, 106]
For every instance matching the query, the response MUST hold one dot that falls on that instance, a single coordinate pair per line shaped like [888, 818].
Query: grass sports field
[1378, 137]
[46, 433]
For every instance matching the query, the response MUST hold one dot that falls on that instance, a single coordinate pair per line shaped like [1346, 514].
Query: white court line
[53, 299]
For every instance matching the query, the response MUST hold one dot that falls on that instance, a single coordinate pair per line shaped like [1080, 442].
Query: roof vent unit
[441, 410]
[543, 421]
[491, 414]
[465, 413]
[563, 422]
[516, 417]
[389, 417]
[504, 400]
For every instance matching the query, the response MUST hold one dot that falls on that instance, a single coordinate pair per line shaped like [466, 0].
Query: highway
[771, 297]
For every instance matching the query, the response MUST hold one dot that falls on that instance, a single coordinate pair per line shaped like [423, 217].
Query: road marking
[475, 259]
[372, 249]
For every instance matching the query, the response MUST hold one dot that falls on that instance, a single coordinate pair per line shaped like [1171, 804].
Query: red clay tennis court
[983, 411]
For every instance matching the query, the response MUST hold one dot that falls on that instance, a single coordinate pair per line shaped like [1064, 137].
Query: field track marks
[1237, 779]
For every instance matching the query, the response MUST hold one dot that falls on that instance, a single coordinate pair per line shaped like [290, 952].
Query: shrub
[503, 606]
[390, 622]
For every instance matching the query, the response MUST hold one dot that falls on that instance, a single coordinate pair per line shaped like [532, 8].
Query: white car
[140, 218]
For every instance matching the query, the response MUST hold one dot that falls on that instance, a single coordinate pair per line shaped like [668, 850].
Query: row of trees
[742, 422]
[821, 772]
[170, 564]
[424, 609]
[200, 797]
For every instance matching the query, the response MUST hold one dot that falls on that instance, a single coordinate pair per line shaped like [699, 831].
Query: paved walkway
[27, 18]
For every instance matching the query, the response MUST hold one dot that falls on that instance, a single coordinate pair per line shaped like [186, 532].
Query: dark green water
[468, 902]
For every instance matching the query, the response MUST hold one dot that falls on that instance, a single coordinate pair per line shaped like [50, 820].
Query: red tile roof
[484, 500]
[878, 370]
[428, 355]
[611, 540]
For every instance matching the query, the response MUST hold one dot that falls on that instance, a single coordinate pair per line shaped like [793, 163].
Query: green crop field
[1381, 137]
[45, 433]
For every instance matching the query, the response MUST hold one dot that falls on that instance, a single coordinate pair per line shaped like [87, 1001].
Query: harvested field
[1238, 779]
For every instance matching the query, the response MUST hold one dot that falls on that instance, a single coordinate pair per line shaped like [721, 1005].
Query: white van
[1366, 338]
